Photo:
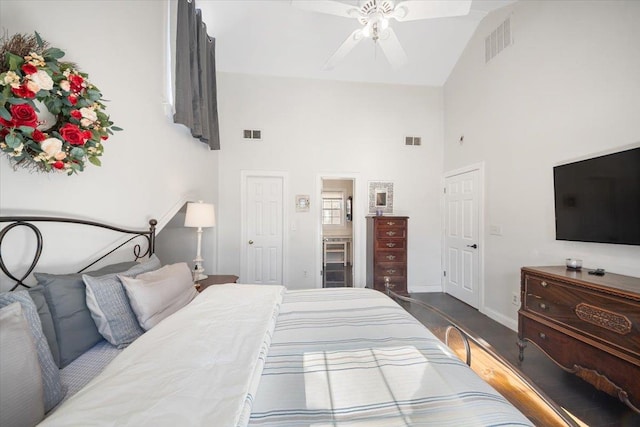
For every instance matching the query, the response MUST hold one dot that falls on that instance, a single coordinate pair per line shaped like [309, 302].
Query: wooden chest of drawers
[387, 252]
[588, 325]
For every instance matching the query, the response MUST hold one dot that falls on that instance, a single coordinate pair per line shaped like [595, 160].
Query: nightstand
[215, 279]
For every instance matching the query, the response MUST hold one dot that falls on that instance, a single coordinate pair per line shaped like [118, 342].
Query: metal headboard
[28, 221]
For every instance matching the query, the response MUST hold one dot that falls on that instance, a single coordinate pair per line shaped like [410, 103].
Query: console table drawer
[608, 318]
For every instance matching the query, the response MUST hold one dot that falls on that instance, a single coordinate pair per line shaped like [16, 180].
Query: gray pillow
[37, 295]
[21, 386]
[110, 307]
[52, 386]
[65, 295]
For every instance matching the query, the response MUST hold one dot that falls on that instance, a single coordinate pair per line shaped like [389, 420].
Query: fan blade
[392, 48]
[410, 10]
[328, 6]
[351, 42]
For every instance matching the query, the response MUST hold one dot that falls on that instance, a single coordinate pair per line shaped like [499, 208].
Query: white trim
[501, 318]
[359, 211]
[244, 174]
[427, 289]
[481, 238]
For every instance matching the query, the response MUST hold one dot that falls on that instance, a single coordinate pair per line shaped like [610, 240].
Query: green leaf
[53, 65]
[93, 94]
[4, 113]
[26, 129]
[116, 128]
[77, 153]
[53, 52]
[14, 61]
[39, 40]
[95, 161]
[13, 140]
[17, 101]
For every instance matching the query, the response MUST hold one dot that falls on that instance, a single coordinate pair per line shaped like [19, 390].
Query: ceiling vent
[499, 39]
[412, 140]
[252, 134]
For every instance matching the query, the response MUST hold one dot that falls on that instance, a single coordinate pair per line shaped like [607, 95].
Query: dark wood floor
[591, 406]
[337, 275]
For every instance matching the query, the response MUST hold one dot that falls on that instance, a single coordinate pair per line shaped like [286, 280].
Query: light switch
[496, 230]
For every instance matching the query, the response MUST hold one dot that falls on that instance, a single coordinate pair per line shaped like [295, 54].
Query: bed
[242, 354]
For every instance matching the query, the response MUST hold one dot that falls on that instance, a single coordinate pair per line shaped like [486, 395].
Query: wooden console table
[588, 325]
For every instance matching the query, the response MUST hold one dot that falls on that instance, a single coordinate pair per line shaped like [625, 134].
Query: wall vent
[412, 140]
[498, 40]
[252, 134]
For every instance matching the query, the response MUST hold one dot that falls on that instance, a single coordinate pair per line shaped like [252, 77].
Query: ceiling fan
[374, 17]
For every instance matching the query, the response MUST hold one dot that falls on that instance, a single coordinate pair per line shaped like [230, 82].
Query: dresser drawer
[391, 223]
[390, 269]
[386, 244]
[391, 256]
[395, 232]
[397, 284]
[606, 317]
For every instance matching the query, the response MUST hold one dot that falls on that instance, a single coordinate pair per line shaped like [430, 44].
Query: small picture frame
[302, 203]
[380, 197]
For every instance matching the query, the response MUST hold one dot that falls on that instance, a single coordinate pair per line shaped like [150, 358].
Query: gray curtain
[196, 105]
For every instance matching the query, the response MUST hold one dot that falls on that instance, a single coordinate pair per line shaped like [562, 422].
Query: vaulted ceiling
[272, 37]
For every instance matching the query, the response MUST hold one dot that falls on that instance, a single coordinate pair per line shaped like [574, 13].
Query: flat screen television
[598, 200]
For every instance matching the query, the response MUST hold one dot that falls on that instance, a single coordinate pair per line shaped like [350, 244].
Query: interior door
[462, 237]
[264, 230]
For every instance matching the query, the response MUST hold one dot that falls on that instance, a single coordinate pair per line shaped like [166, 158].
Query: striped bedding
[353, 357]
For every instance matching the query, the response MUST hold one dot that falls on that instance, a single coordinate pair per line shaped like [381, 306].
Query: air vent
[498, 40]
[252, 134]
[412, 140]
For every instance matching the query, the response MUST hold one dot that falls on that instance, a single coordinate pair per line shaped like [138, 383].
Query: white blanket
[179, 373]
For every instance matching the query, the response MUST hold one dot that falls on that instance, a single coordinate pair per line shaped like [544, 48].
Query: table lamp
[199, 215]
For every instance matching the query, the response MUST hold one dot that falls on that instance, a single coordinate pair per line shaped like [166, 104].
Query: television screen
[598, 200]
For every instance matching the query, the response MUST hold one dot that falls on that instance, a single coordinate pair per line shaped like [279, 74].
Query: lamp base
[197, 276]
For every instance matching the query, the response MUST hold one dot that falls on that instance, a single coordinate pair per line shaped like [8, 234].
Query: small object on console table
[588, 325]
[215, 279]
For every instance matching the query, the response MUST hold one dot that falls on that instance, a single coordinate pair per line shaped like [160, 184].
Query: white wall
[313, 127]
[568, 88]
[149, 168]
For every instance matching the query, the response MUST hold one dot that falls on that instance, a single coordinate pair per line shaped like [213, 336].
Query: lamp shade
[200, 215]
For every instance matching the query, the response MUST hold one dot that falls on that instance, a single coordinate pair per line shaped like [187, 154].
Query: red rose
[38, 136]
[72, 99]
[6, 123]
[72, 134]
[3, 133]
[76, 114]
[58, 165]
[29, 69]
[104, 137]
[87, 134]
[23, 91]
[24, 115]
[76, 82]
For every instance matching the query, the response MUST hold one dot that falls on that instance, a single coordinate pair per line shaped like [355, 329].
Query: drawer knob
[388, 285]
[391, 257]
[391, 233]
[543, 306]
[391, 223]
[391, 245]
[544, 284]
[543, 335]
[391, 271]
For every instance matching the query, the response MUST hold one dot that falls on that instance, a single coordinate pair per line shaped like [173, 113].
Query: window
[332, 208]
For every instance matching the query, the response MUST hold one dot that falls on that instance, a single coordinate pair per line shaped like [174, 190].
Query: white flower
[85, 122]
[51, 146]
[65, 85]
[17, 151]
[12, 79]
[42, 79]
[89, 114]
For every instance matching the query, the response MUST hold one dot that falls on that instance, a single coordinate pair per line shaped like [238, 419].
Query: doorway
[462, 235]
[337, 235]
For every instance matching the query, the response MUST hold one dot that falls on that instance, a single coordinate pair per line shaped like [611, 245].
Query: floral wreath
[52, 117]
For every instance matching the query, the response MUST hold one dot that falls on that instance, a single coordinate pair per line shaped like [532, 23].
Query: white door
[264, 224]
[462, 237]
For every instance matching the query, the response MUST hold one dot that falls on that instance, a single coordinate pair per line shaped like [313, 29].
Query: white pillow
[160, 293]
[21, 388]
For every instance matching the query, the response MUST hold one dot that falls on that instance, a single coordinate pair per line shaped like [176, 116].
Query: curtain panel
[195, 104]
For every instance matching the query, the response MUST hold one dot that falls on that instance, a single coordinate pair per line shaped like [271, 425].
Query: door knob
[251, 242]
[474, 246]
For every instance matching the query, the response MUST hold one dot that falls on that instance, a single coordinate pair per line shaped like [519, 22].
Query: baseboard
[425, 288]
[501, 318]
